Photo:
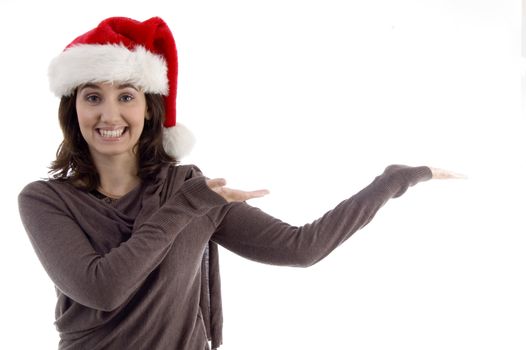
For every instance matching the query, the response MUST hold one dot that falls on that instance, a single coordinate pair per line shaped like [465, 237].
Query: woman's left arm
[253, 234]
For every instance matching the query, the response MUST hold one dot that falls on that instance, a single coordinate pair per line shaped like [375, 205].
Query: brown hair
[74, 163]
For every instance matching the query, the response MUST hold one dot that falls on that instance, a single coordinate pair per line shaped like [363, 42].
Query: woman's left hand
[442, 174]
[233, 195]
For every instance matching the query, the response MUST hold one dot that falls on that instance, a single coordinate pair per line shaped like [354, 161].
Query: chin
[108, 152]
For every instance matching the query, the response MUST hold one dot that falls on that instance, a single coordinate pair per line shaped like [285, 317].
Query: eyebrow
[95, 86]
[127, 85]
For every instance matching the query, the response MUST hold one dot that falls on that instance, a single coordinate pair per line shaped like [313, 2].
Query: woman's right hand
[233, 195]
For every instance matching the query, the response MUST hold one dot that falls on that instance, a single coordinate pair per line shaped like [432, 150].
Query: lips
[111, 133]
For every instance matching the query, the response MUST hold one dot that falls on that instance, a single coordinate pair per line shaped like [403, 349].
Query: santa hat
[121, 49]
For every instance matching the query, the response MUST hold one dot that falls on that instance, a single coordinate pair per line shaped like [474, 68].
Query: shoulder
[173, 176]
[190, 170]
[52, 185]
[36, 188]
[46, 191]
[183, 172]
[34, 196]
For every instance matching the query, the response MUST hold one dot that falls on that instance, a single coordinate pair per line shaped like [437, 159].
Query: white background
[312, 99]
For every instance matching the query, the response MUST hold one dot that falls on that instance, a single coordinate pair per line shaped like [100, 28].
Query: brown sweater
[131, 274]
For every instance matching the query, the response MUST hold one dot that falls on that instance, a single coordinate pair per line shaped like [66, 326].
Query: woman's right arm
[104, 282]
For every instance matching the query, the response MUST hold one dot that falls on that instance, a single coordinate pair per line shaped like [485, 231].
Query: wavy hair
[74, 163]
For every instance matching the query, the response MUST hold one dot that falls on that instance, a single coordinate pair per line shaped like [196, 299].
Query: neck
[118, 175]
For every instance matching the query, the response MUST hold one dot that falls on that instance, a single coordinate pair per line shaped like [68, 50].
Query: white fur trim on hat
[86, 63]
[178, 141]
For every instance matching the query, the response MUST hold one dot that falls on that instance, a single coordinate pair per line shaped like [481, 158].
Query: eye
[92, 98]
[126, 98]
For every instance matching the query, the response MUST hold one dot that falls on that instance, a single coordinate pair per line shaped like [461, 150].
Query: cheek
[140, 128]
[82, 115]
[138, 119]
[84, 121]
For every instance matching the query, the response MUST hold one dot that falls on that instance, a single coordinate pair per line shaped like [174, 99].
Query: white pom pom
[178, 141]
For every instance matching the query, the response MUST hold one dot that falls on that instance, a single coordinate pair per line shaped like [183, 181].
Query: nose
[110, 112]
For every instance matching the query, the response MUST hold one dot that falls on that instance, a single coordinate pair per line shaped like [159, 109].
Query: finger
[453, 175]
[256, 194]
[442, 174]
[214, 183]
[233, 195]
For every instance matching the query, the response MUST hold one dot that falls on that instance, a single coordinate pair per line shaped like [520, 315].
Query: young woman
[129, 237]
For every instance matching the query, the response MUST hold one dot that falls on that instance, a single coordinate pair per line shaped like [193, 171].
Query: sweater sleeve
[104, 282]
[258, 236]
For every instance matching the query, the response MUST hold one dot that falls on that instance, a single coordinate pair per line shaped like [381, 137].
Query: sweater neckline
[103, 197]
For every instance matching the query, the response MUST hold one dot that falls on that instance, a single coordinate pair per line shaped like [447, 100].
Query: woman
[129, 238]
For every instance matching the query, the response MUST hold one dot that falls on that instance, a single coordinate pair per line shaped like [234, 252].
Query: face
[111, 118]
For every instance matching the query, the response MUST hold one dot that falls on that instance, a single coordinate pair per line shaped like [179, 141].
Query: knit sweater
[133, 273]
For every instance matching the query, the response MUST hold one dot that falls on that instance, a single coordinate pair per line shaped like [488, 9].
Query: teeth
[111, 133]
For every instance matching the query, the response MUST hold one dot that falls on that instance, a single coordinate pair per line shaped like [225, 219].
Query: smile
[111, 133]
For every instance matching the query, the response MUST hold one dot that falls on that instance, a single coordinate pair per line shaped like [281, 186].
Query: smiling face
[111, 118]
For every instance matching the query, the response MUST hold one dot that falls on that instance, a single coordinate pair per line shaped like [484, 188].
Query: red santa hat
[121, 49]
